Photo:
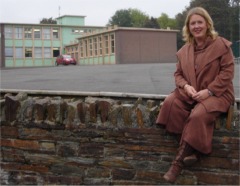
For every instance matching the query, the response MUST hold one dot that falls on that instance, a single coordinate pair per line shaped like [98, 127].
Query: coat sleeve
[225, 76]
[180, 80]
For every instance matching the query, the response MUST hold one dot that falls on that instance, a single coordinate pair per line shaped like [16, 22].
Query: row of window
[31, 33]
[29, 52]
[81, 31]
[97, 46]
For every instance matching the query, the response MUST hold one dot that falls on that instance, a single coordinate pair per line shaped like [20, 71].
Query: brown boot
[177, 165]
[173, 172]
[190, 160]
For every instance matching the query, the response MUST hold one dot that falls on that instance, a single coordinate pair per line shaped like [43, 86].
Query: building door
[56, 52]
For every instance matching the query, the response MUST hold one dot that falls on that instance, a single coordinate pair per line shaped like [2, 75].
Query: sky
[97, 12]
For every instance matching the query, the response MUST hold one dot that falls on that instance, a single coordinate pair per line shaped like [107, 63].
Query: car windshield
[67, 56]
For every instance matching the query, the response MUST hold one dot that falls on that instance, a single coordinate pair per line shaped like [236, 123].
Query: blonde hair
[187, 36]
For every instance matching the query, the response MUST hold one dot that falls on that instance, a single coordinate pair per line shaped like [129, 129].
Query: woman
[204, 89]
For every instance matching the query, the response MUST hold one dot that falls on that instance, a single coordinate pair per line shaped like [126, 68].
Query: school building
[29, 45]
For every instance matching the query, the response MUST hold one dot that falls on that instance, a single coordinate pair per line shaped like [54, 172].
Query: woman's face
[198, 27]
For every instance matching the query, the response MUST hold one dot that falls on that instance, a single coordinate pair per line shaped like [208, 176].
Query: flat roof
[70, 16]
[115, 28]
[59, 25]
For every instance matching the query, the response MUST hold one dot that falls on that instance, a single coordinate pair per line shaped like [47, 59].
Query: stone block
[67, 149]
[150, 176]
[62, 180]
[47, 146]
[26, 112]
[56, 109]
[113, 163]
[35, 134]
[2, 110]
[115, 115]
[127, 114]
[97, 181]
[9, 132]
[139, 114]
[153, 112]
[82, 110]
[72, 117]
[92, 109]
[20, 144]
[123, 174]
[12, 155]
[103, 109]
[12, 106]
[151, 104]
[91, 150]
[40, 109]
[21, 96]
[67, 169]
[98, 172]
[217, 178]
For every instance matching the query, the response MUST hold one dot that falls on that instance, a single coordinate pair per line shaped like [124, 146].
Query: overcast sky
[97, 12]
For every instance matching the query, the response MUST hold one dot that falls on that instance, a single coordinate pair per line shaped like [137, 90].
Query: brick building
[122, 45]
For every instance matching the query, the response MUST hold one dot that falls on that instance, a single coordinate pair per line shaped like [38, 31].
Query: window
[95, 46]
[8, 31]
[28, 33]
[77, 31]
[28, 52]
[37, 33]
[112, 44]
[19, 52]
[8, 52]
[55, 33]
[106, 44]
[90, 47]
[86, 48]
[38, 52]
[18, 33]
[81, 48]
[47, 52]
[46, 33]
[56, 52]
[100, 45]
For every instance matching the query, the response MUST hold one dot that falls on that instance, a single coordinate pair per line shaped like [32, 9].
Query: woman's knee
[198, 112]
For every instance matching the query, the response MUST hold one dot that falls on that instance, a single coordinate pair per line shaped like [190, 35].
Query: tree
[234, 19]
[225, 15]
[48, 21]
[121, 18]
[164, 21]
[180, 20]
[128, 18]
[151, 23]
[234, 26]
[138, 18]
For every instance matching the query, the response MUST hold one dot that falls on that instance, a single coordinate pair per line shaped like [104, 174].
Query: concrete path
[132, 78]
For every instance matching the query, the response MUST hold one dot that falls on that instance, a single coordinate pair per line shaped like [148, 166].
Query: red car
[65, 60]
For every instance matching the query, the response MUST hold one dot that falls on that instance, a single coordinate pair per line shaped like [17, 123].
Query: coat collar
[213, 50]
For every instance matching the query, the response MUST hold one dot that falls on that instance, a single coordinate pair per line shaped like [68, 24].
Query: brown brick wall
[145, 47]
[101, 141]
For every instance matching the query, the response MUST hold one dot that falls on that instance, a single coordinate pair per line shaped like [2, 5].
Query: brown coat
[213, 69]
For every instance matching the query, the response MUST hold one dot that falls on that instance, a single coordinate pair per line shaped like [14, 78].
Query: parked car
[65, 60]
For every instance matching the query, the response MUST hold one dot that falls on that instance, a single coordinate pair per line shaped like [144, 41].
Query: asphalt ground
[130, 78]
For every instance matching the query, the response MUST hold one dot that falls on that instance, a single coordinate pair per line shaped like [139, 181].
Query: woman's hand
[190, 91]
[201, 95]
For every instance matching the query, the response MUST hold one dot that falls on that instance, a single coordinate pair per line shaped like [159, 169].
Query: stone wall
[101, 141]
